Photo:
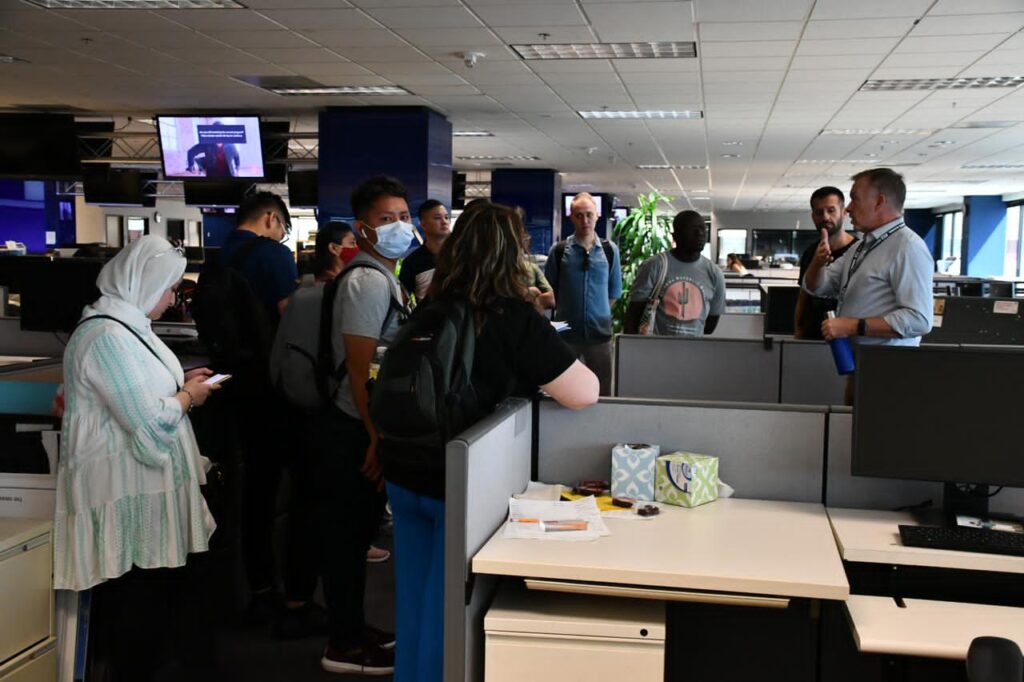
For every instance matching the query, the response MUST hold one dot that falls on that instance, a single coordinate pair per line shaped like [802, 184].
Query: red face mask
[348, 253]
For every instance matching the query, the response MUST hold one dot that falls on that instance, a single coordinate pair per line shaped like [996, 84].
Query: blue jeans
[419, 585]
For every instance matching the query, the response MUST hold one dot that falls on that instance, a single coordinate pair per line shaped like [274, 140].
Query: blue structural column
[412, 144]
[984, 236]
[537, 191]
[923, 222]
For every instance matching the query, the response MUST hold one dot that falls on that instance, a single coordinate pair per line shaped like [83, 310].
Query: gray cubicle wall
[843, 489]
[486, 465]
[740, 326]
[808, 375]
[696, 369]
[771, 452]
[14, 341]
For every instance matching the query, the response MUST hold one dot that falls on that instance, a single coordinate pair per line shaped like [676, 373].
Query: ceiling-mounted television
[303, 189]
[216, 147]
[113, 187]
[39, 147]
[567, 201]
[222, 193]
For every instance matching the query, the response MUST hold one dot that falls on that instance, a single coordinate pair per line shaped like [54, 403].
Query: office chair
[994, 659]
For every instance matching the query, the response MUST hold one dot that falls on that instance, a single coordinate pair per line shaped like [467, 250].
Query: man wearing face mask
[367, 310]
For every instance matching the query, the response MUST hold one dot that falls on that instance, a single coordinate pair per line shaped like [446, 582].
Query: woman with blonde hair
[482, 264]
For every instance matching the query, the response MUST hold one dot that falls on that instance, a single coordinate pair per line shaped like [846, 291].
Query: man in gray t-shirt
[688, 288]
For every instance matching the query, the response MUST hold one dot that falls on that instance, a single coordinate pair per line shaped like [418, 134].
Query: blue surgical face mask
[393, 239]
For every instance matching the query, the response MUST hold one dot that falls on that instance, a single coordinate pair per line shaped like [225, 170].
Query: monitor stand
[959, 500]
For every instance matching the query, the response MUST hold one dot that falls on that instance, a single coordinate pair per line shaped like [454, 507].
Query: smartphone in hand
[217, 378]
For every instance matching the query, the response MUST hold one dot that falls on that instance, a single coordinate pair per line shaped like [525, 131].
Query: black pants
[155, 625]
[350, 508]
[268, 433]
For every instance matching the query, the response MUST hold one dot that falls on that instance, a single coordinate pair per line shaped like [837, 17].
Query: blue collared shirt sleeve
[614, 274]
[912, 284]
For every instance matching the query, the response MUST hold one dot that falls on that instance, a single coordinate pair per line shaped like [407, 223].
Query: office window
[731, 241]
[951, 242]
[1014, 241]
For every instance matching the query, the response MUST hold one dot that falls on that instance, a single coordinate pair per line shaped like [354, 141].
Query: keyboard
[963, 539]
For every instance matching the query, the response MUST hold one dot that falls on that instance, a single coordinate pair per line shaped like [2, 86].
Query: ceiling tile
[425, 17]
[420, 68]
[378, 38]
[33, 20]
[450, 37]
[555, 34]
[711, 64]
[279, 38]
[174, 40]
[741, 31]
[839, 61]
[563, 14]
[751, 48]
[915, 59]
[322, 19]
[943, 7]
[372, 54]
[219, 20]
[968, 43]
[850, 46]
[641, 21]
[873, 28]
[869, 9]
[1008, 22]
[300, 55]
[119, 20]
[752, 10]
[329, 73]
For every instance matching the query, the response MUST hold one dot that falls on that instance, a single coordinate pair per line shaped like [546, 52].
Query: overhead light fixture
[992, 166]
[471, 133]
[876, 131]
[670, 166]
[978, 83]
[137, 4]
[488, 157]
[700, 198]
[635, 114]
[11, 59]
[653, 50]
[985, 124]
[942, 143]
[732, 143]
[833, 161]
[341, 90]
[730, 156]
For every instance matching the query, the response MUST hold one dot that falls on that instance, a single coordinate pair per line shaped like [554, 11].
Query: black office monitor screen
[38, 146]
[211, 146]
[303, 188]
[228, 193]
[53, 293]
[111, 187]
[939, 414]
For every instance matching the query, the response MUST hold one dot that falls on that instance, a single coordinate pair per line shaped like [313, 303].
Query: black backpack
[423, 395]
[232, 322]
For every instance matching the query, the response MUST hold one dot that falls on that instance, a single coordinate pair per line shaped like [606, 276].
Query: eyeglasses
[286, 225]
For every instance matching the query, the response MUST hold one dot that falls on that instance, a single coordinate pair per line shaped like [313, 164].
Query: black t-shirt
[517, 351]
[419, 261]
[818, 307]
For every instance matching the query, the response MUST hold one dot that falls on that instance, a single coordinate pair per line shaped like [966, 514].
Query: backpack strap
[608, 253]
[244, 251]
[558, 254]
[134, 333]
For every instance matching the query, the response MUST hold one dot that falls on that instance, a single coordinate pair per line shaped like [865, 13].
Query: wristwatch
[862, 327]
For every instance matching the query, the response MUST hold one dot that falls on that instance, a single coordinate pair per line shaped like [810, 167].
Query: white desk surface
[872, 536]
[13, 532]
[754, 547]
[934, 629]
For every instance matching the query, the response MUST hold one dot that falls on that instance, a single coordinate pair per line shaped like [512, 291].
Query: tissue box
[633, 470]
[685, 479]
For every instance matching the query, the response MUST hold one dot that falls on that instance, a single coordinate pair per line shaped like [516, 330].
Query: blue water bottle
[842, 353]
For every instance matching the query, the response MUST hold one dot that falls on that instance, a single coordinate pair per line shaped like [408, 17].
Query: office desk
[709, 565]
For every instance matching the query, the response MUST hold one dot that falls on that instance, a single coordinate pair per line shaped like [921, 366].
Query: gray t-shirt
[690, 293]
[360, 309]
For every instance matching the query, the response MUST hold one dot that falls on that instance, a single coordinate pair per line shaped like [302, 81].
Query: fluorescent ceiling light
[138, 4]
[658, 50]
[876, 131]
[342, 90]
[11, 59]
[641, 114]
[472, 133]
[985, 124]
[831, 161]
[489, 157]
[895, 84]
[732, 143]
[730, 156]
[670, 166]
[993, 166]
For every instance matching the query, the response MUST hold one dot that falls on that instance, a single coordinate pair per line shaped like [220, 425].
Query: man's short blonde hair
[582, 196]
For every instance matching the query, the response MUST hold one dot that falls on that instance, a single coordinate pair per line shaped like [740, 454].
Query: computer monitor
[211, 147]
[53, 293]
[940, 414]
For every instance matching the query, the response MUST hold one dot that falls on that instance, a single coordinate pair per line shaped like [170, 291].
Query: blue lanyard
[858, 259]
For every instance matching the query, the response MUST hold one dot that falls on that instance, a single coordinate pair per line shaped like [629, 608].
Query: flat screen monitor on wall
[567, 200]
[38, 146]
[303, 189]
[211, 146]
[111, 187]
[223, 193]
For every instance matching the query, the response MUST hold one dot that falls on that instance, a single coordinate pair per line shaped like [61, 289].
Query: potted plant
[642, 234]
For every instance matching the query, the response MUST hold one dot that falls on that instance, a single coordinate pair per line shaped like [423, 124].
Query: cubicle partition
[807, 375]
[740, 326]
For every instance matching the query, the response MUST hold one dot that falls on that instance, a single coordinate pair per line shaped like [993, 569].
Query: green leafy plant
[644, 233]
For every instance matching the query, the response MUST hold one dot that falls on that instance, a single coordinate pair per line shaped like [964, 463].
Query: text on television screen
[211, 146]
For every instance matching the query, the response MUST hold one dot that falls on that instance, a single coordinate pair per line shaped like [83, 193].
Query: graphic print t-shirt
[691, 292]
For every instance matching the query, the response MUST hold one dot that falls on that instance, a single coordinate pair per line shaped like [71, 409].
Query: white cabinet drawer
[36, 665]
[557, 658]
[26, 594]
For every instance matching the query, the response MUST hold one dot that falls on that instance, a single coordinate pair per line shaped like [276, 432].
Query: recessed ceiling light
[641, 114]
[732, 143]
[138, 4]
[700, 198]
[993, 166]
[11, 59]
[489, 157]
[670, 166]
[986, 124]
[942, 143]
[981, 82]
[639, 50]
[831, 161]
[730, 156]
[341, 90]
[876, 131]
[472, 133]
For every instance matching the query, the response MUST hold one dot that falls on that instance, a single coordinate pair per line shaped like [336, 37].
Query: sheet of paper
[1005, 307]
[936, 320]
[527, 519]
[560, 326]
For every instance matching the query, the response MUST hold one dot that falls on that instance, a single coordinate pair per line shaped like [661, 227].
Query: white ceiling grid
[770, 76]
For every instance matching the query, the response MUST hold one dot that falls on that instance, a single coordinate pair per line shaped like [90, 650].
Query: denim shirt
[583, 283]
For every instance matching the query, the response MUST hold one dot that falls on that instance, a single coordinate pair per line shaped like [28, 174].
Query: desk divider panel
[740, 326]
[771, 452]
[809, 374]
[678, 368]
[486, 464]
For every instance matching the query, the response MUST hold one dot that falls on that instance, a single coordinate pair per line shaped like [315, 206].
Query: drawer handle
[658, 594]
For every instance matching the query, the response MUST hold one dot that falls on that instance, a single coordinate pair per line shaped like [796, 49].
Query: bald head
[583, 214]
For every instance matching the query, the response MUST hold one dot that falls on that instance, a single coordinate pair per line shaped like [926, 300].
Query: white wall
[90, 220]
[762, 220]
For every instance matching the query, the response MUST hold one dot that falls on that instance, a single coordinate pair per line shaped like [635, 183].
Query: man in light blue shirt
[884, 284]
[585, 274]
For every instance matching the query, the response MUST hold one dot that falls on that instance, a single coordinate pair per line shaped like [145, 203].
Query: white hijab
[131, 284]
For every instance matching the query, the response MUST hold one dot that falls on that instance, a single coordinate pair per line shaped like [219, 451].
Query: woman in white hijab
[130, 470]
